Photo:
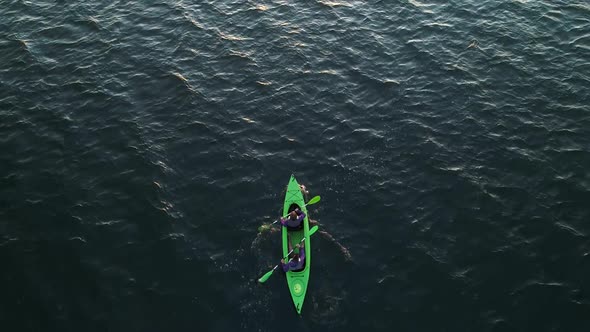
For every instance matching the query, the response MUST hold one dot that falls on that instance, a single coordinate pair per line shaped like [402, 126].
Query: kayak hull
[297, 280]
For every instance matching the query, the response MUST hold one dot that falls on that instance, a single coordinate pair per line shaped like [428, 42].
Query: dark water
[143, 143]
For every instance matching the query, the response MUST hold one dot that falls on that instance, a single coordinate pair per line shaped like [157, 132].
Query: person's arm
[284, 266]
[300, 216]
[283, 221]
[301, 253]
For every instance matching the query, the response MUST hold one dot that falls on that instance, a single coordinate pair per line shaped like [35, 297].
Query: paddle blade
[265, 277]
[313, 230]
[314, 200]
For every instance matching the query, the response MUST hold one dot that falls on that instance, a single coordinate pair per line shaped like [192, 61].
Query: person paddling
[295, 263]
[294, 219]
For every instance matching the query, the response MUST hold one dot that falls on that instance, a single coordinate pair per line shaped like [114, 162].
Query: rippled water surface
[144, 143]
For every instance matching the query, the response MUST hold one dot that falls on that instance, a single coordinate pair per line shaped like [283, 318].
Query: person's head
[293, 215]
[296, 257]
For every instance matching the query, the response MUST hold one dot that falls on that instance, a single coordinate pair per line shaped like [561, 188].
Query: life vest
[300, 263]
[294, 223]
[297, 222]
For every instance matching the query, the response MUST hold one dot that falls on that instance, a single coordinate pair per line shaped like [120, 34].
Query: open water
[144, 143]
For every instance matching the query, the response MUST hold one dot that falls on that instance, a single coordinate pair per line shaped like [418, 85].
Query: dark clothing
[295, 264]
[293, 223]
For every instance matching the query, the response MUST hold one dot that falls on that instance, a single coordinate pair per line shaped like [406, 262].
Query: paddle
[267, 275]
[311, 202]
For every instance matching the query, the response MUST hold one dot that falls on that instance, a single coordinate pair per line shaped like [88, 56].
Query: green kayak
[297, 280]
